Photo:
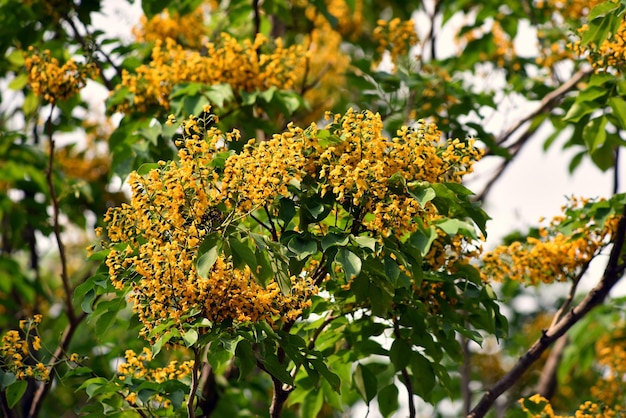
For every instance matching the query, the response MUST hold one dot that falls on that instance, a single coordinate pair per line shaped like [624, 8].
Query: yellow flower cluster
[553, 46]
[136, 367]
[362, 166]
[357, 167]
[243, 65]
[154, 240]
[16, 351]
[588, 409]
[188, 30]
[553, 256]
[52, 81]
[395, 36]
[611, 54]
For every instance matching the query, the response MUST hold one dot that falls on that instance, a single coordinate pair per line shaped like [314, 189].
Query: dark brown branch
[256, 18]
[547, 380]
[86, 47]
[191, 409]
[406, 379]
[44, 387]
[466, 394]
[67, 288]
[612, 273]
[616, 171]
[4, 406]
[546, 105]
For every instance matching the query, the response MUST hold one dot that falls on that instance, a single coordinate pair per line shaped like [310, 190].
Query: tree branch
[547, 104]
[87, 47]
[69, 308]
[44, 387]
[191, 410]
[547, 380]
[406, 379]
[612, 273]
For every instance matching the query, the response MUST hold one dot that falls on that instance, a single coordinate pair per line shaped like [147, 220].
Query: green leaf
[422, 194]
[207, 254]
[242, 253]
[328, 375]
[145, 168]
[579, 110]
[423, 375]
[312, 404]
[423, 239]
[19, 82]
[392, 271]
[594, 133]
[302, 246]
[190, 337]
[15, 391]
[332, 240]
[276, 369]
[400, 353]
[365, 382]
[349, 261]
[365, 242]
[388, 400]
[6, 379]
[598, 30]
[220, 94]
[618, 106]
[245, 358]
[602, 9]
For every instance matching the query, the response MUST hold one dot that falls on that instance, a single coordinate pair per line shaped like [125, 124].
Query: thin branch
[272, 224]
[406, 379]
[571, 294]
[67, 288]
[548, 103]
[87, 47]
[191, 410]
[547, 380]
[466, 376]
[616, 172]
[256, 18]
[612, 273]
[44, 387]
[266, 226]
[4, 406]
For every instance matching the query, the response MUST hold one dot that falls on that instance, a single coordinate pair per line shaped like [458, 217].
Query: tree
[281, 224]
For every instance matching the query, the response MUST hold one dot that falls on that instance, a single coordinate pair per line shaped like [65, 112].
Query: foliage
[269, 218]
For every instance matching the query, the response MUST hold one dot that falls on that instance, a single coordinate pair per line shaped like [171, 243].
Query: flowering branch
[55, 223]
[612, 273]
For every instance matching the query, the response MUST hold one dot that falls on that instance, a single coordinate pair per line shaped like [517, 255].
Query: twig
[191, 410]
[546, 105]
[85, 45]
[69, 308]
[44, 387]
[547, 380]
[406, 379]
[466, 394]
[256, 18]
[616, 171]
[612, 273]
